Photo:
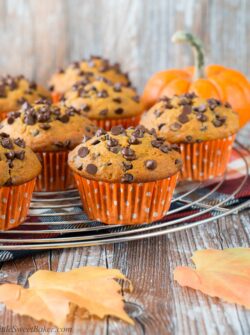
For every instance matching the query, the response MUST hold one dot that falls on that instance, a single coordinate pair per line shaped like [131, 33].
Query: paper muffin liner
[56, 174]
[117, 203]
[56, 97]
[206, 160]
[14, 204]
[3, 115]
[107, 124]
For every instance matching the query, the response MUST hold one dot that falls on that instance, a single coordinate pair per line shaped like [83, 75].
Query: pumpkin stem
[198, 51]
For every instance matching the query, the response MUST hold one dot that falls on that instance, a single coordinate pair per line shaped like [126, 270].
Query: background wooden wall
[38, 36]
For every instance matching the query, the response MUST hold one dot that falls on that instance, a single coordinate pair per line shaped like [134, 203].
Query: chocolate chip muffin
[14, 91]
[126, 176]
[205, 130]
[86, 70]
[51, 131]
[19, 167]
[106, 103]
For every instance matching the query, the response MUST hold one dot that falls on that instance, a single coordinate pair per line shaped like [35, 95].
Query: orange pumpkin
[212, 81]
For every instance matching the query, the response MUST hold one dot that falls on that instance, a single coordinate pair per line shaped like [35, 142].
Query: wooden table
[158, 304]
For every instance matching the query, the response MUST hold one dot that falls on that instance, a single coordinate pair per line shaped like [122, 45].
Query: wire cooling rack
[56, 220]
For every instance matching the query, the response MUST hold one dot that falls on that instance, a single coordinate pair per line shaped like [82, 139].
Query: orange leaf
[51, 294]
[219, 273]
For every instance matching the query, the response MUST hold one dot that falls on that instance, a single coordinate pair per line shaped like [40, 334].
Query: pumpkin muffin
[205, 130]
[87, 70]
[19, 167]
[51, 130]
[105, 103]
[126, 176]
[14, 91]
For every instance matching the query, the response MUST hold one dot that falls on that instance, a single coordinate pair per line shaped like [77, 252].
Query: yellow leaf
[219, 273]
[51, 294]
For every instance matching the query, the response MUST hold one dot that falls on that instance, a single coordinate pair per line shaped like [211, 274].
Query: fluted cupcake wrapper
[3, 115]
[107, 124]
[56, 174]
[206, 160]
[14, 204]
[117, 203]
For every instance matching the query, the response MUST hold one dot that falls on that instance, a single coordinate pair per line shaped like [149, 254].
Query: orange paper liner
[3, 115]
[107, 124]
[117, 203]
[14, 204]
[56, 97]
[56, 174]
[206, 160]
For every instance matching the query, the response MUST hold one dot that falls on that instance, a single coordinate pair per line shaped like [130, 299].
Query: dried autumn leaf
[219, 273]
[51, 294]
[39, 304]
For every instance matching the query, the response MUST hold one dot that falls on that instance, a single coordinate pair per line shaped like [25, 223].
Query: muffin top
[14, 91]
[87, 70]
[48, 127]
[125, 156]
[18, 163]
[103, 99]
[188, 118]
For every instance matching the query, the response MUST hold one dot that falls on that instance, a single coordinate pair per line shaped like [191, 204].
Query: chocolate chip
[183, 118]
[115, 150]
[127, 166]
[91, 168]
[219, 121]
[175, 147]
[20, 155]
[9, 182]
[187, 109]
[164, 148]
[117, 87]
[161, 125]
[136, 98]
[189, 138]
[64, 118]
[156, 143]
[103, 112]
[7, 143]
[128, 153]
[112, 142]
[134, 140]
[33, 85]
[117, 130]
[119, 111]
[150, 164]
[85, 138]
[127, 178]
[102, 94]
[95, 142]
[30, 119]
[175, 126]
[20, 142]
[83, 152]
[85, 107]
[10, 120]
[227, 105]
[178, 161]
[117, 100]
[45, 126]
[202, 117]
[10, 155]
[158, 113]
[100, 132]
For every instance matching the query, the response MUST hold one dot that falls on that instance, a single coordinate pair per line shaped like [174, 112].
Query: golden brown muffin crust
[132, 155]
[14, 91]
[87, 70]
[188, 118]
[18, 163]
[104, 100]
[48, 127]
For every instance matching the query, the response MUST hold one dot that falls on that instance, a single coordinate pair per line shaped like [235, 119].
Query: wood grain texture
[158, 304]
[36, 38]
